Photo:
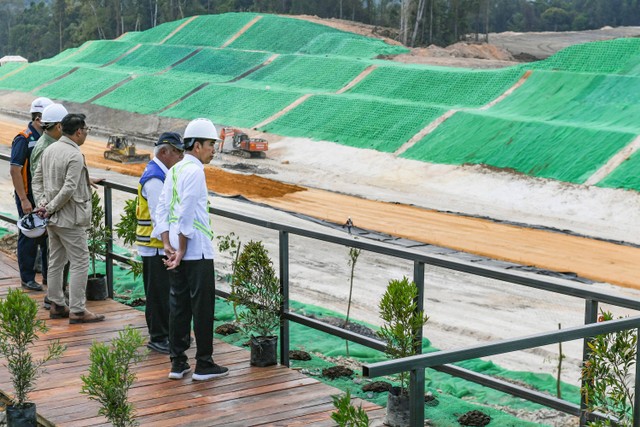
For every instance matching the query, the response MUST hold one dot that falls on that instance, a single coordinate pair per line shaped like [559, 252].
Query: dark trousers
[192, 297]
[156, 290]
[28, 250]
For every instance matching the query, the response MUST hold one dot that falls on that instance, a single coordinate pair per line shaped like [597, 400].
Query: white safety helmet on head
[199, 128]
[32, 226]
[39, 104]
[54, 113]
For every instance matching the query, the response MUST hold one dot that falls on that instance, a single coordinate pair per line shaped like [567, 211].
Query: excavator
[242, 145]
[121, 149]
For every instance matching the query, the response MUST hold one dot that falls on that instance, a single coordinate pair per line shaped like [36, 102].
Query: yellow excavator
[121, 149]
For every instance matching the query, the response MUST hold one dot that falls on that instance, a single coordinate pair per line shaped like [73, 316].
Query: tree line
[42, 29]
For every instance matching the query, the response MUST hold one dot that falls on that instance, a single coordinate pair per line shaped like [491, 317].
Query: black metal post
[636, 394]
[416, 397]
[108, 222]
[284, 291]
[418, 279]
[590, 316]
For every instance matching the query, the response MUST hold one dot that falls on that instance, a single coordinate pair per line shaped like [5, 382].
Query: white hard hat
[39, 104]
[32, 226]
[200, 128]
[54, 113]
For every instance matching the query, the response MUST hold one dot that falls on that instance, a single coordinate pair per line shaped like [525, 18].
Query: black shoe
[178, 369]
[32, 285]
[47, 303]
[159, 346]
[215, 371]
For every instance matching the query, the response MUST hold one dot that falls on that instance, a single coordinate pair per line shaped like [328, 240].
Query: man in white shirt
[168, 151]
[183, 224]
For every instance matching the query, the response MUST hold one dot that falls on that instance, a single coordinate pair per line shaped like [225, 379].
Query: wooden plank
[248, 396]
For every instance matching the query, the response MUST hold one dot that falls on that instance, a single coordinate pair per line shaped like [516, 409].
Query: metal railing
[441, 360]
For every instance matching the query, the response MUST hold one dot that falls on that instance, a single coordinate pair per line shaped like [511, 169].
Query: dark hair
[35, 116]
[72, 122]
[191, 142]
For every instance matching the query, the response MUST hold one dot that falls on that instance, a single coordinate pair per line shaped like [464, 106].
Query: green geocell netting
[610, 56]
[82, 85]
[210, 30]
[32, 76]
[133, 96]
[11, 67]
[94, 53]
[589, 100]
[232, 105]
[217, 65]
[150, 58]
[453, 87]
[311, 73]
[155, 34]
[627, 175]
[267, 35]
[59, 57]
[358, 122]
[534, 148]
[344, 44]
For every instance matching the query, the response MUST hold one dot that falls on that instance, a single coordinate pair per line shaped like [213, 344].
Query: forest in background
[42, 29]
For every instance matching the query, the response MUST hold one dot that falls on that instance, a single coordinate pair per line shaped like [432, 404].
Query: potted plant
[402, 324]
[97, 238]
[110, 376]
[19, 328]
[256, 287]
[346, 414]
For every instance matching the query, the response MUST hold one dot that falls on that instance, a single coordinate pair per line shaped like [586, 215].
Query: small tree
[231, 243]
[346, 414]
[19, 328]
[98, 236]
[353, 259]
[257, 287]
[608, 375]
[402, 322]
[126, 230]
[110, 376]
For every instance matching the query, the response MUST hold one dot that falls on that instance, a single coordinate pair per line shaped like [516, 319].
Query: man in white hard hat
[20, 171]
[168, 151]
[62, 182]
[51, 120]
[183, 224]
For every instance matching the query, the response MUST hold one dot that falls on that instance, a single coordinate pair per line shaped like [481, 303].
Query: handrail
[439, 360]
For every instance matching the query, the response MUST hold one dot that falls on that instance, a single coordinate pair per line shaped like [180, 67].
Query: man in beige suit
[63, 193]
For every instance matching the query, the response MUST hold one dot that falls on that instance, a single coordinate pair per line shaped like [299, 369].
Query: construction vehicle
[121, 149]
[241, 144]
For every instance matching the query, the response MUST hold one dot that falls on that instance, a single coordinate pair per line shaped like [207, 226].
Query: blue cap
[172, 138]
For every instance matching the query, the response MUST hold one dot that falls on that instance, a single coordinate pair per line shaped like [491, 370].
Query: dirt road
[593, 259]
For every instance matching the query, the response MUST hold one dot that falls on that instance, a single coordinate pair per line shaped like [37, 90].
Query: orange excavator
[241, 144]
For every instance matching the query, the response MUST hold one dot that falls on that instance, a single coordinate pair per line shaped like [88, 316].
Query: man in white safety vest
[183, 225]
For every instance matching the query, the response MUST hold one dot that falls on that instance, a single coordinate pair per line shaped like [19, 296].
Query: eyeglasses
[86, 129]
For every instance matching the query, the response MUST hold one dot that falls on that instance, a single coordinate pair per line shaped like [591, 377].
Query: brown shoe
[58, 311]
[85, 317]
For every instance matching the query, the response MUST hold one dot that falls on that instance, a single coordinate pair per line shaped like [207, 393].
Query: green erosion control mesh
[452, 87]
[538, 149]
[94, 53]
[151, 58]
[627, 175]
[311, 73]
[9, 67]
[82, 85]
[289, 35]
[155, 34]
[232, 105]
[345, 44]
[217, 65]
[589, 100]
[358, 122]
[32, 76]
[132, 96]
[619, 56]
[210, 30]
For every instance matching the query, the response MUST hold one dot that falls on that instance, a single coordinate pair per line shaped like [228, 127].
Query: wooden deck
[247, 397]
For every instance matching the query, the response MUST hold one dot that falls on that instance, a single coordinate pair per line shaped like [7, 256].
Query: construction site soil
[587, 231]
